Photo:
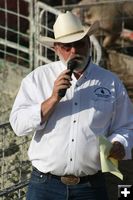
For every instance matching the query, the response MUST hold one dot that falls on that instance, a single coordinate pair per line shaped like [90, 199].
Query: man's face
[79, 50]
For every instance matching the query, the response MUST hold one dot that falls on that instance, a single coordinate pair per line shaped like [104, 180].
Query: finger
[117, 156]
[117, 153]
[65, 77]
[64, 85]
[63, 81]
[61, 84]
[65, 74]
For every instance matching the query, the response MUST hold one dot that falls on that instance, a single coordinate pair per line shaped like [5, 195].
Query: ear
[53, 48]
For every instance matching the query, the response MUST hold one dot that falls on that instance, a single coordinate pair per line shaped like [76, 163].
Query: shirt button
[76, 103]
[74, 121]
[72, 140]
[70, 159]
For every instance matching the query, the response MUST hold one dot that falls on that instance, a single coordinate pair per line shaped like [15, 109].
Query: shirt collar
[88, 70]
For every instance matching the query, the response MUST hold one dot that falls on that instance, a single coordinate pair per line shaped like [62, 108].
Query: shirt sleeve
[25, 116]
[122, 122]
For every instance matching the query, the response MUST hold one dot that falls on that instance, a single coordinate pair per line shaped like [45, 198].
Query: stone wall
[10, 79]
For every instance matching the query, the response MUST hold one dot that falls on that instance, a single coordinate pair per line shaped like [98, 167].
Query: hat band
[69, 34]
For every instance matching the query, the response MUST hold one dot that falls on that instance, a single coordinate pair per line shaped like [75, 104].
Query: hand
[117, 151]
[62, 82]
[48, 106]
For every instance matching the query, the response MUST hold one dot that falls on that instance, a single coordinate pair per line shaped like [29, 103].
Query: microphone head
[72, 64]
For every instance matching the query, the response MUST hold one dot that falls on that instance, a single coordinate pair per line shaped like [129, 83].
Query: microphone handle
[62, 92]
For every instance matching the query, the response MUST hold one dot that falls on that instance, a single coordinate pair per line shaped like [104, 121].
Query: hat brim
[72, 37]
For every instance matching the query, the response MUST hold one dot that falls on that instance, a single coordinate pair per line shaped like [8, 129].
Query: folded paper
[108, 164]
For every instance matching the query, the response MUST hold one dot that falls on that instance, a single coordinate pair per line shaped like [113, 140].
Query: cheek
[87, 50]
[63, 54]
[66, 56]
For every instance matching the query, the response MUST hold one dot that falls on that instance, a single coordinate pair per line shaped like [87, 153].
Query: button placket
[74, 129]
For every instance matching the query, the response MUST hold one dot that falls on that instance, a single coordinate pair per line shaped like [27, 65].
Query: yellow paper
[108, 164]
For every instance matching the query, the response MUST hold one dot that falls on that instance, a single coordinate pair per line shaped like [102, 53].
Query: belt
[70, 179]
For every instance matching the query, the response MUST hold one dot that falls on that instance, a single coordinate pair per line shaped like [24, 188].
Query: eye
[68, 45]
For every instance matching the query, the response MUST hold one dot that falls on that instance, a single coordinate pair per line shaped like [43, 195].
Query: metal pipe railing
[15, 167]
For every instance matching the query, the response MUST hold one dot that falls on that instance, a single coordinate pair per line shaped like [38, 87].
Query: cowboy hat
[67, 29]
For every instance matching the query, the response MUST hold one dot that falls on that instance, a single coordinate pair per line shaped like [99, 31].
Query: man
[68, 109]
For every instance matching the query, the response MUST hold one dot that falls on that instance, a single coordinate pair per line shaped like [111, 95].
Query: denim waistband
[80, 180]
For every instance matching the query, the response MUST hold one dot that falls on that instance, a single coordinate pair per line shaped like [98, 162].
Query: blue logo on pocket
[102, 92]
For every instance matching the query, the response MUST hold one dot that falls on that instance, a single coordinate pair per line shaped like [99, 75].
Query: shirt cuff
[36, 117]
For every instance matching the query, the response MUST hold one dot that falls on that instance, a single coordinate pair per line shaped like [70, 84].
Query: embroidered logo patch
[102, 92]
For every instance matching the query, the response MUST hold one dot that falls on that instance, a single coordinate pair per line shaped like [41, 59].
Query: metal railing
[16, 32]
[14, 165]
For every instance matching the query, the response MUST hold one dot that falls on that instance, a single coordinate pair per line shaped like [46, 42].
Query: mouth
[77, 62]
[78, 58]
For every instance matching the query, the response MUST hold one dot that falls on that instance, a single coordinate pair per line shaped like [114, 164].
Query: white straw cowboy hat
[68, 28]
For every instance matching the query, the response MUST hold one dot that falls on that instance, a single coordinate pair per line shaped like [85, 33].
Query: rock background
[10, 79]
[14, 164]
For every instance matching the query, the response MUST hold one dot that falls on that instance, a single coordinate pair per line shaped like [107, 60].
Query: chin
[79, 69]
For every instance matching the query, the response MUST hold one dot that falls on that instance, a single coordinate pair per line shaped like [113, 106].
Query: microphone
[72, 64]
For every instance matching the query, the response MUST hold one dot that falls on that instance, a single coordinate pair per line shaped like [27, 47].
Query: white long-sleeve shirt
[96, 104]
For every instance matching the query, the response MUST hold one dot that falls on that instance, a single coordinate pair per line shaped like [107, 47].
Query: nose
[73, 50]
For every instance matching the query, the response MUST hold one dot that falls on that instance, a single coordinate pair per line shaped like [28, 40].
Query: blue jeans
[43, 187]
